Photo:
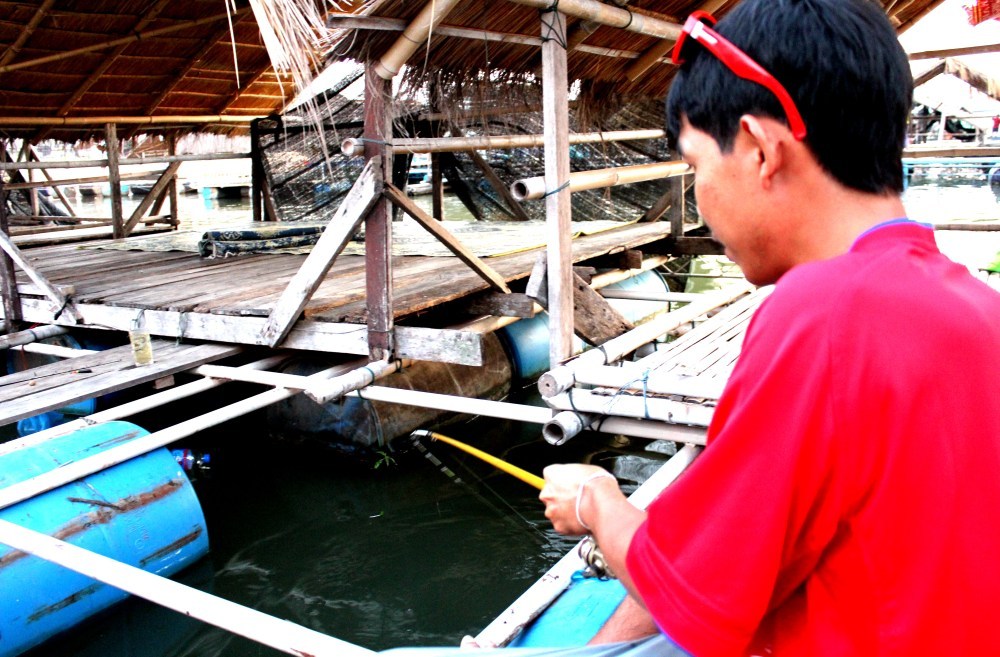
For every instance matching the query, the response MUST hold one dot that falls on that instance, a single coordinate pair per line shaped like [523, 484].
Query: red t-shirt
[848, 502]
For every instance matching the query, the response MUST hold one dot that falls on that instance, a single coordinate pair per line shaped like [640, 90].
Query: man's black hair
[842, 64]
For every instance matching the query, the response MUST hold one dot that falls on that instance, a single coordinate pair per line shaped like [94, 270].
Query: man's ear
[767, 146]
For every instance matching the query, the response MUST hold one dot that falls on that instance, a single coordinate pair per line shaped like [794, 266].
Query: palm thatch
[170, 64]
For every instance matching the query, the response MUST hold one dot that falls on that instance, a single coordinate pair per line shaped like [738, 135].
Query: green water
[398, 555]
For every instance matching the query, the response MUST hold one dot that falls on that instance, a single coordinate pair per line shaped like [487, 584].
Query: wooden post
[437, 188]
[558, 211]
[256, 172]
[675, 213]
[114, 180]
[378, 223]
[172, 188]
[11, 300]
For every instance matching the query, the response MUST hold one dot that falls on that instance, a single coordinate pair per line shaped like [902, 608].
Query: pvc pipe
[57, 350]
[568, 424]
[634, 377]
[255, 625]
[528, 189]
[22, 490]
[485, 407]
[134, 407]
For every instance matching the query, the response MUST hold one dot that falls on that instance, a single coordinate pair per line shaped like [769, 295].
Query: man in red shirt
[848, 501]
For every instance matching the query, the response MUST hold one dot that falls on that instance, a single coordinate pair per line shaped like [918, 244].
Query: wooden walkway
[59, 384]
[180, 295]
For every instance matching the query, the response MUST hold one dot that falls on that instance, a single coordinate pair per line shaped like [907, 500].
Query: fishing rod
[587, 549]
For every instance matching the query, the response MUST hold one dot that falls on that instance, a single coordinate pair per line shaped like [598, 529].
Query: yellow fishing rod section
[500, 464]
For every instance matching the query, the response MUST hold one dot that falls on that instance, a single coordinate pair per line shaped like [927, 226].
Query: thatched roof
[171, 58]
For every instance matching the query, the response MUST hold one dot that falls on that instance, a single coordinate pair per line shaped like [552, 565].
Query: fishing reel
[593, 558]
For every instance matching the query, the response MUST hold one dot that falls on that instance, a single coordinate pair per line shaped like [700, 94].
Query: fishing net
[308, 175]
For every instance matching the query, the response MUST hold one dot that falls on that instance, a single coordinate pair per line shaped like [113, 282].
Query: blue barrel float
[527, 341]
[142, 512]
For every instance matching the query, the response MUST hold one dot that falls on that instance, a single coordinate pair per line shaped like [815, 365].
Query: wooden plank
[435, 228]
[8, 277]
[558, 208]
[594, 319]
[159, 188]
[502, 305]
[442, 345]
[169, 359]
[339, 231]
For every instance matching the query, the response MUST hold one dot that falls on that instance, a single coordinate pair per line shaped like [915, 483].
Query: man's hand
[568, 495]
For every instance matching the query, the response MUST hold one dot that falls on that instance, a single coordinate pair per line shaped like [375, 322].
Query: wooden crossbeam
[307, 279]
[158, 189]
[435, 228]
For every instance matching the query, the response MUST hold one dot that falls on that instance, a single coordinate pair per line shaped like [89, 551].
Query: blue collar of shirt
[891, 222]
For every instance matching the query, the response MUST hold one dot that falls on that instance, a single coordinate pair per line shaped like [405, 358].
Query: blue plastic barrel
[143, 512]
[527, 340]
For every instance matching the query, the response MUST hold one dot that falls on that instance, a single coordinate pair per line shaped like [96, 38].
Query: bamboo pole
[528, 189]
[598, 12]
[358, 378]
[656, 409]
[414, 36]
[162, 119]
[353, 146]
[81, 164]
[563, 377]
[355, 22]
[70, 54]
[277, 633]
[31, 335]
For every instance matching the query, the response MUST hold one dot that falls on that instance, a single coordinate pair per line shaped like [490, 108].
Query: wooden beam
[356, 204]
[502, 305]
[558, 201]
[114, 180]
[55, 188]
[675, 213]
[58, 300]
[494, 180]
[954, 52]
[435, 228]
[929, 74]
[159, 187]
[595, 320]
[378, 224]
[459, 346]
[8, 277]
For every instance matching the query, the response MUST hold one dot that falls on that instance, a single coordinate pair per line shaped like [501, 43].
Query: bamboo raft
[677, 385]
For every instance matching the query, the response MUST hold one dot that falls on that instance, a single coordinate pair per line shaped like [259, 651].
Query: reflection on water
[394, 556]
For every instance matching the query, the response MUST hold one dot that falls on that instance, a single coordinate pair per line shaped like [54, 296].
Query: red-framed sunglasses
[699, 27]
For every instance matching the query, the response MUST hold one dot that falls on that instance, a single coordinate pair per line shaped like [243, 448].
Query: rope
[552, 31]
[557, 189]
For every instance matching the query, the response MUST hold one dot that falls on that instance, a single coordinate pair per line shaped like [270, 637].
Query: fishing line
[415, 437]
